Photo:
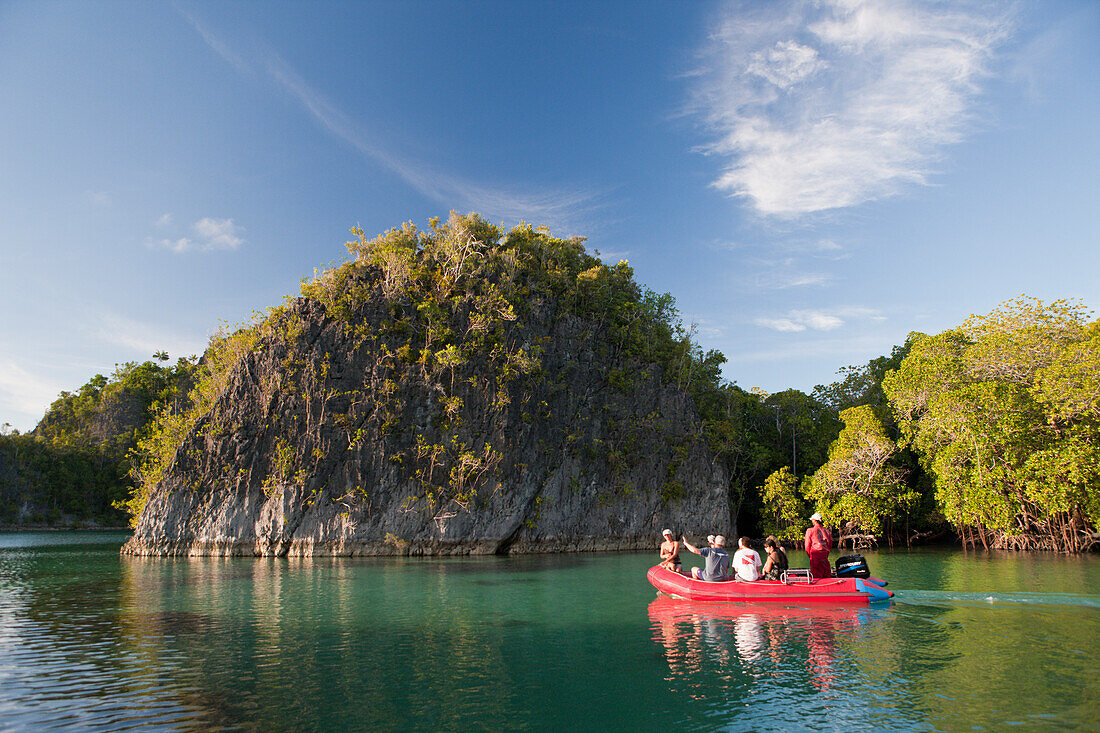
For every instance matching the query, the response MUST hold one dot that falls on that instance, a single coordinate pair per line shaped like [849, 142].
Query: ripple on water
[91, 643]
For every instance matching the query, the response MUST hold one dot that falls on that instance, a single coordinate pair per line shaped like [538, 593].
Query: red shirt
[818, 539]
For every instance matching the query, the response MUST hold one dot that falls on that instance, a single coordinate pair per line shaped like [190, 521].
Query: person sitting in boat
[717, 559]
[670, 553]
[746, 562]
[776, 563]
[818, 543]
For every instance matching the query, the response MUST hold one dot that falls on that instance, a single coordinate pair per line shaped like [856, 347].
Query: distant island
[461, 390]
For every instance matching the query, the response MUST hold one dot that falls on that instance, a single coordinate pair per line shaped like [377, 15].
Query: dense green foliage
[784, 515]
[862, 484]
[859, 478]
[74, 466]
[44, 484]
[992, 428]
[1005, 414]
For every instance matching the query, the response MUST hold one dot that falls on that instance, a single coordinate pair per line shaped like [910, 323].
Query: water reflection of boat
[704, 638]
[822, 590]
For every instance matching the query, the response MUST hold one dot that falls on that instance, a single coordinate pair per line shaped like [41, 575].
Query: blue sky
[811, 181]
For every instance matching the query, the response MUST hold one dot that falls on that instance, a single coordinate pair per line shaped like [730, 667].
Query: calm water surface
[90, 640]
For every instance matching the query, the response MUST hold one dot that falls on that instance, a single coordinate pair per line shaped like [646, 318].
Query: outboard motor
[852, 566]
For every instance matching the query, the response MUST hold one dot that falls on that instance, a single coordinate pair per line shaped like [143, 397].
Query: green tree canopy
[784, 512]
[1003, 411]
[861, 486]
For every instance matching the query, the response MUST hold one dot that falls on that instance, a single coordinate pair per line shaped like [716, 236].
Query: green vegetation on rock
[73, 468]
[451, 323]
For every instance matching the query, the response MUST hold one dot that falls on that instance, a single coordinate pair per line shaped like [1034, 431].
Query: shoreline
[51, 528]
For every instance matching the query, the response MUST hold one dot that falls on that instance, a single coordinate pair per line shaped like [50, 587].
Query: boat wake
[956, 598]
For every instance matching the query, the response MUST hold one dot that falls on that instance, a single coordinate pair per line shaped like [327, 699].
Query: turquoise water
[90, 640]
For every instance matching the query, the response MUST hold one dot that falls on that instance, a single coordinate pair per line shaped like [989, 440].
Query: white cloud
[218, 233]
[818, 320]
[614, 257]
[100, 199]
[209, 234]
[794, 262]
[183, 244]
[143, 339]
[24, 393]
[730, 245]
[28, 386]
[801, 280]
[780, 324]
[704, 328]
[785, 64]
[551, 207]
[783, 274]
[823, 105]
[846, 349]
[821, 321]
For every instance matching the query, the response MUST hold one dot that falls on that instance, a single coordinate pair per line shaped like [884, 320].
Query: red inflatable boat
[796, 588]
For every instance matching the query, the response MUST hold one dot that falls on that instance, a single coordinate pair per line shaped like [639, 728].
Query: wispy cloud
[701, 327]
[217, 233]
[828, 247]
[798, 280]
[614, 256]
[207, 234]
[28, 386]
[818, 320]
[848, 348]
[24, 392]
[554, 207]
[828, 104]
[99, 199]
[142, 338]
[788, 270]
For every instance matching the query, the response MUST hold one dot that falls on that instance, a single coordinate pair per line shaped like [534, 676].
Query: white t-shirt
[746, 564]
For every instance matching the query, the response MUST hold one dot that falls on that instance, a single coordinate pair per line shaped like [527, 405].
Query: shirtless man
[670, 553]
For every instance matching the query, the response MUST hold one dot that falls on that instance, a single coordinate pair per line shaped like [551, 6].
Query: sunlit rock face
[375, 422]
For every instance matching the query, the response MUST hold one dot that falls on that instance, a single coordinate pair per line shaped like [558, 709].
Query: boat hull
[824, 590]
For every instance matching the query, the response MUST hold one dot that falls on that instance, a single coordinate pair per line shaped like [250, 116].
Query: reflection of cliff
[312, 644]
[745, 642]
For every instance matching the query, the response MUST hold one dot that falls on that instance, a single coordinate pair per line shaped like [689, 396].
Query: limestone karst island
[461, 390]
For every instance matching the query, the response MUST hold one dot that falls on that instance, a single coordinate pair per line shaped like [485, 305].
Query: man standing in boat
[818, 543]
[718, 560]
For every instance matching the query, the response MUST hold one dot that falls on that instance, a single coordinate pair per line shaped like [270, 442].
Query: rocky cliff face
[368, 419]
